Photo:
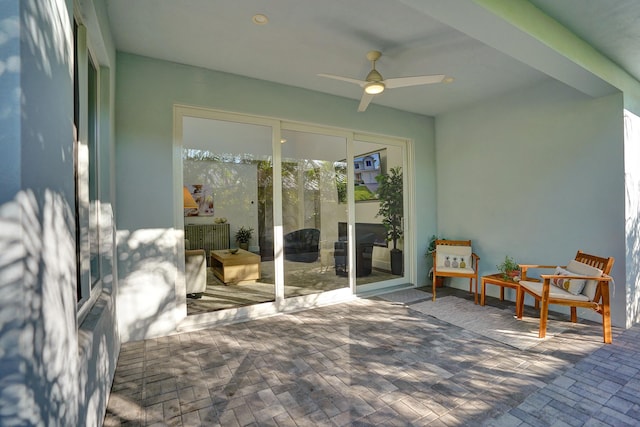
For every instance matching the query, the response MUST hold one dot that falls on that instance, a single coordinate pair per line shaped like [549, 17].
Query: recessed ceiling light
[260, 19]
[448, 80]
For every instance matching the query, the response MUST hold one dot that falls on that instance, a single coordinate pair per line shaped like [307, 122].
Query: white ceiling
[485, 55]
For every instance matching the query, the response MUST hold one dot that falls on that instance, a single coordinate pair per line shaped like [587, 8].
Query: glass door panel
[228, 168]
[313, 208]
[373, 250]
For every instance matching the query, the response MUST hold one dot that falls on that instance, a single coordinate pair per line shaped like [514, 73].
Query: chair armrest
[525, 267]
[475, 260]
[195, 252]
[603, 278]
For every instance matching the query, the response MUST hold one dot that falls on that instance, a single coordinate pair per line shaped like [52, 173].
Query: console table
[210, 237]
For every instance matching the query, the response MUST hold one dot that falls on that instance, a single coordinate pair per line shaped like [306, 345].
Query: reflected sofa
[195, 271]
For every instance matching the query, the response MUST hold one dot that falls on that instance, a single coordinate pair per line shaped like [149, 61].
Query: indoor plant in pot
[391, 204]
[243, 236]
[509, 268]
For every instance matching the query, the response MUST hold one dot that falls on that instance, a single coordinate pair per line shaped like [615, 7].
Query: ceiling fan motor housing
[374, 76]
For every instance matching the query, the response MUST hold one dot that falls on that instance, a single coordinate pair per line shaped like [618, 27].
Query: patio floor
[373, 362]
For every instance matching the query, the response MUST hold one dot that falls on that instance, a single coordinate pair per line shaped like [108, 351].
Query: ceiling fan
[374, 84]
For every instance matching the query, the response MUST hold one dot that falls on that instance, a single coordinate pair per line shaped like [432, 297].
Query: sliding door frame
[282, 304]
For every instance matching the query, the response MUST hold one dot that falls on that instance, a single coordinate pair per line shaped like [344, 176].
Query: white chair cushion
[462, 255]
[554, 291]
[195, 270]
[573, 286]
[455, 270]
[583, 269]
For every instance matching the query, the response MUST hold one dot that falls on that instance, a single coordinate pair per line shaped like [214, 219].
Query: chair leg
[544, 308]
[433, 290]
[476, 288]
[606, 329]
[471, 289]
[606, 318]
[544, 312]
[519, 303]
[574, 314]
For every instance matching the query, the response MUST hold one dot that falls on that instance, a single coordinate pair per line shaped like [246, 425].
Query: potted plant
[429, 255]
[509, 268]
[432, 245]
[391, 211]
[243, 235]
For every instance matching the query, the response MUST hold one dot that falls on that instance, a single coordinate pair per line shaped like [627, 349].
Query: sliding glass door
[313, 175]
[379, 220]
[228, 168]
[306, 198]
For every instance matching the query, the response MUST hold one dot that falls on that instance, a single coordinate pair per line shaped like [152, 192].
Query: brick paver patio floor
[374, 363]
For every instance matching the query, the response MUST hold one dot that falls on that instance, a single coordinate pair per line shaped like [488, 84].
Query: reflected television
[372, 233]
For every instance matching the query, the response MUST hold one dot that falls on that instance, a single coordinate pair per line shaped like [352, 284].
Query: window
[86, 162]
[92, 145]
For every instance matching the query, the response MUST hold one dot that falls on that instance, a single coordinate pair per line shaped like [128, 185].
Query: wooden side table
[498, 280]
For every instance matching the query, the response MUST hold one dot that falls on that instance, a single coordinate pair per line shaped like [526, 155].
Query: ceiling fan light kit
[374, 88]
[375, 84]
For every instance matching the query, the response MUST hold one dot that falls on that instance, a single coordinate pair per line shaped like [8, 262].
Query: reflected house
[91, 227]
[366, 169]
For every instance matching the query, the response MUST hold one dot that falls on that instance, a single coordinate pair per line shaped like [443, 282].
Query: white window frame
[88, 292]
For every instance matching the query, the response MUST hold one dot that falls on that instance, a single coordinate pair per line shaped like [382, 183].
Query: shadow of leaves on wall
[147, 304]
[38, 379]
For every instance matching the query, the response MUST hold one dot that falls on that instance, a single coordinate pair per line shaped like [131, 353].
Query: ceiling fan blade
[364, 102]
[360, 83]
[413, 81]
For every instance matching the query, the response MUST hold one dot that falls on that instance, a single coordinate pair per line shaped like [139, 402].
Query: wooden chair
[591, 269]
[454, 258]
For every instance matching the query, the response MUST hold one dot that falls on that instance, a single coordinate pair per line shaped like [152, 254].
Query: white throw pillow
[583, 269]
[573, 286]
[455, 261]
[461, 262]
[445, 255]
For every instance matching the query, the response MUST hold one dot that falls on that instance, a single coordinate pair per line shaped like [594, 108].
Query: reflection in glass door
[375, 228]
[313, 180]
[308, 192]
[228, 168]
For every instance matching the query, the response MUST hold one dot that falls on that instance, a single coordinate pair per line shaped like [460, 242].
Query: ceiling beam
[481, 20]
